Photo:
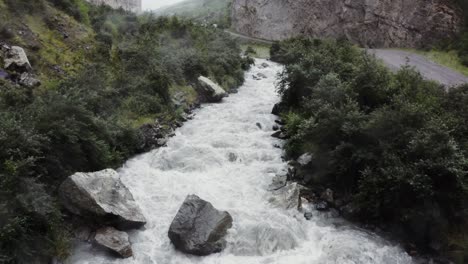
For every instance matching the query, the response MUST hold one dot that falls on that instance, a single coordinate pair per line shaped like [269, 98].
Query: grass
[448, 59]
[262, 50]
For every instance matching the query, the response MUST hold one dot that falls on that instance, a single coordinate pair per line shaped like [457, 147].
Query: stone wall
[370, 23]
[131, 5]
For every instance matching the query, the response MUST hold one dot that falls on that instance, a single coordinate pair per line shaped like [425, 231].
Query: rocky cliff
[130, 5]
[371, 23]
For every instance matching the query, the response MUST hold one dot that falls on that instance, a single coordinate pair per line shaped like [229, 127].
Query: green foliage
[86, 122]
[393, 140]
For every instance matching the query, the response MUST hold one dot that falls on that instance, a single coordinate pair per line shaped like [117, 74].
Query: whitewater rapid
[225, 158]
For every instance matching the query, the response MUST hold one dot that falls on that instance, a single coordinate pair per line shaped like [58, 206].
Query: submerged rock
[212, 92]
[278, 182]
[101, 197]
[17, 60]
[114, 240]
[199, 228]
[279, 135]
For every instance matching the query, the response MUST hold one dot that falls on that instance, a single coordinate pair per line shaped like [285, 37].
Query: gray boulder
[115, 241]
[199, 228]
[102, 197]
[212, 92]
[17, 60]
[288, 197]
[29, 80]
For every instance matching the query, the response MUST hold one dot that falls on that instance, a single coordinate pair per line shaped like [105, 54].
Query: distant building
[130, 5]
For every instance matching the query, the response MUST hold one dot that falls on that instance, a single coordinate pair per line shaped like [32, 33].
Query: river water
[225, 158]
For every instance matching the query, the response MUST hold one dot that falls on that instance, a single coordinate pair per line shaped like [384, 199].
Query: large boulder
[199, 228]
[17, 60]
[102, 197]
[115, 241]
[287, 197]
[211, 92]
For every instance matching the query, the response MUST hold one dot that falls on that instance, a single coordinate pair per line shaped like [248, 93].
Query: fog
[155, 4]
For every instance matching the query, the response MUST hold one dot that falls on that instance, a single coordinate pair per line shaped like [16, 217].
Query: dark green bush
[395, 142]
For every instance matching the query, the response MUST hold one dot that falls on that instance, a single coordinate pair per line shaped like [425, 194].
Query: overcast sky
[154, 4]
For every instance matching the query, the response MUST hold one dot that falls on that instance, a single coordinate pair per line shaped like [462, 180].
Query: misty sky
[153, 4]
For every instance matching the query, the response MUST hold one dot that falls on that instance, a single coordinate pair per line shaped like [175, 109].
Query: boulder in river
[114, 240]
[211, 91]
[287, 197]
[199, 228]
[101, 196]
[17, 60]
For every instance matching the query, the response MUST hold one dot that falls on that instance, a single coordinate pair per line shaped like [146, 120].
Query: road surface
[430, 70]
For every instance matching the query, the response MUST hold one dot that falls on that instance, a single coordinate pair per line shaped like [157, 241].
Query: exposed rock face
[102, 197]
[211, 91]
[199, 228]
[114, 240]
[17, 60]
[371, 23]
[29, 80]
[129, 5]
[287, 197]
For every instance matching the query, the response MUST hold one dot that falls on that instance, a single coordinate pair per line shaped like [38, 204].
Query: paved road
[394, 59]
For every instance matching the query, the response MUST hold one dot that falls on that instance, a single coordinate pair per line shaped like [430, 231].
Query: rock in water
[16, 60]
[198, 228]
[115, 241]
[211, 91]
[287, 197]
[101, 196]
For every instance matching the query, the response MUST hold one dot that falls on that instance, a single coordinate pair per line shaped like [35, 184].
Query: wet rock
[280, 122]
[101, 197]
[308, 215]
[305, 159]
[287, 197]
[256, 77]
[212, 92]
[259, 125]
[114, 240]
[278, 182]
[29, 80]
[264, 65]
[327, 196]
[280, 135]
[261, 75]
[17, 60]
[322, 206]
[275, 128]
[152, 136]
[277, 109]
[199, 228]
[232, 157]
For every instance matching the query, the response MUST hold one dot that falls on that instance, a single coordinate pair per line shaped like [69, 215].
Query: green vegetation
[257, 50]
[105, 72]
[207, 12]
[392, 144]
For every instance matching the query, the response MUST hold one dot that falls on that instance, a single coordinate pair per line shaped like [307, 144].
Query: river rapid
[224, 157]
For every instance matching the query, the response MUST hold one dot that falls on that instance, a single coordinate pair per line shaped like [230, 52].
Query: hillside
[204, 11]
[368, 23]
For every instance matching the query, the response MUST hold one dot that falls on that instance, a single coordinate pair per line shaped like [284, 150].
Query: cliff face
[371, 23]
[130, 5]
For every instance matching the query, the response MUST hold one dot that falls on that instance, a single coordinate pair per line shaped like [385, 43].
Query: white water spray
[225, 158]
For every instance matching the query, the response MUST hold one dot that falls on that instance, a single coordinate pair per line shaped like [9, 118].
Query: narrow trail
[223, 156]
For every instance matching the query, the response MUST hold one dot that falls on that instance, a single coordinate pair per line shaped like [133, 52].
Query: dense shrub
[395, 142]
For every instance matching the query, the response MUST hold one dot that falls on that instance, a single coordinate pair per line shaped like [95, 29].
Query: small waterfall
[224, 157]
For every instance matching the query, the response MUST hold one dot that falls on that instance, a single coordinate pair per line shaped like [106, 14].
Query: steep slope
[205, 11]
[370, 23]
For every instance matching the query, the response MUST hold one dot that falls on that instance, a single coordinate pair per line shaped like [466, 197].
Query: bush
[395, 142]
